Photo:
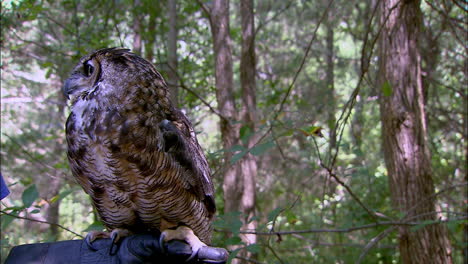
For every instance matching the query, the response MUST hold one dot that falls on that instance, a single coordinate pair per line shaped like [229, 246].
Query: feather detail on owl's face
[112, 67]
[84, 76]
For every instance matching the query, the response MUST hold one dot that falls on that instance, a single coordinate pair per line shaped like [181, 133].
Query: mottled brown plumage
[134, 153]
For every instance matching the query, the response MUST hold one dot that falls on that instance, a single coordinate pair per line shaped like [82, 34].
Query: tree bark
[330, 83]
[219, 20]
[136, 27]
[149, 42]
[172, 80]
[404, 133]
[239, 179]
[249, 117]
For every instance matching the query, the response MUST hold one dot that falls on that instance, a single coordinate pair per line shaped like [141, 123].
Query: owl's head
[112, 72]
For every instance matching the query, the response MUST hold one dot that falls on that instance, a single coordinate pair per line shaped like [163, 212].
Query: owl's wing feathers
[180, 141]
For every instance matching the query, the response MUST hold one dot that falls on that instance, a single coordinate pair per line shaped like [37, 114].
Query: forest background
[335, 130]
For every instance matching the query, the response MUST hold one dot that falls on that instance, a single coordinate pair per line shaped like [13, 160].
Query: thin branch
[352, 229]
[60, 25]
[261, 25]
[374, 242]
[206, 10]
[212, 109]
[348, 245]
[348, 189]
[40, 221]
[348, 107]
[275, 254]
[249, 260]
[33, 159]
[304, 59]
[419, 203]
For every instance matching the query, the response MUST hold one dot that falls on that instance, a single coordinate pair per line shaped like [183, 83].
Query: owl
[134, 153]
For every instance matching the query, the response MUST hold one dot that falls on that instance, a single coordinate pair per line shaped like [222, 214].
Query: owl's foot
[93, 235]
[185, 234]
[115, 236]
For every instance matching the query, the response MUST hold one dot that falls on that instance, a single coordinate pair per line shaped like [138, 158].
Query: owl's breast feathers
[139, 159]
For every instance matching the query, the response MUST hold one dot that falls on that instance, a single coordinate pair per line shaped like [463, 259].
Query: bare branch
[205, 9]
[374, 242]
[212, 109]
[40, 221]
[261, 25]
[352, 229]
[304, 59]
[348, 189]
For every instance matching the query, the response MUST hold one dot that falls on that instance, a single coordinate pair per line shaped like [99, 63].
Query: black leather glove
[134, 249]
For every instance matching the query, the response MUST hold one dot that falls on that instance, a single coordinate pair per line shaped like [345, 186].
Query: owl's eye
[88, 69]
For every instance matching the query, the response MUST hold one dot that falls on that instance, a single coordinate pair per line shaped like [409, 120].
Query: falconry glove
[133, 249]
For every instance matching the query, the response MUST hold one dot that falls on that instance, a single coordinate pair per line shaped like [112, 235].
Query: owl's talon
[114, 246]
[93, 235]
[194, 253]
[186, 234]
[162, 243]
[89, 242]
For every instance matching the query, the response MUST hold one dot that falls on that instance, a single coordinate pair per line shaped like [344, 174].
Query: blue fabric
[3, 188]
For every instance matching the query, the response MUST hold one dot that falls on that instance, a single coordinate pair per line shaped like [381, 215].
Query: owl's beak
[66, 89]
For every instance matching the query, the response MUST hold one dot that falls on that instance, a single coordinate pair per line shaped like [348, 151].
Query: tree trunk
[239, 179]
[151, 36]
[249, 110]
[219, 19]
[404, 133]
[330, 83]
[172, 80]
[49, 185]
[136, 27]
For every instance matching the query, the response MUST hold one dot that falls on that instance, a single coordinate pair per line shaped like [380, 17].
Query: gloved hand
[146, 248]
[134, 249]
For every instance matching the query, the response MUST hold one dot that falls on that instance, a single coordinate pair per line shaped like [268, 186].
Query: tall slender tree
[249, 116]
[136, 45]
[404, 133]
[172, 79]
[239, 178]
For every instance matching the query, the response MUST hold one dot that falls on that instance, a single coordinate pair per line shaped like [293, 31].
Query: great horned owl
[134, 153]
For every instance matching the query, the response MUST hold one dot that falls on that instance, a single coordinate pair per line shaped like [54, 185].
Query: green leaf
[61, 195]
[423, 224]
[235, 240]
[387, 88]
[96, 226]
[238, 156]
[233, 254]
[61, 165]
[291, 217]
[287, 133]
[236, 148]
[261, 148]
[254, 248]
[29, 195]
[273, 214]
[315, 131]
[245, 133]
[230, 221]
[6, 220]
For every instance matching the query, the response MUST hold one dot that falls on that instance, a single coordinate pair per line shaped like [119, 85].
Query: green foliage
[387, 89]
[95, 226]
[229, 222]
[29, 196]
